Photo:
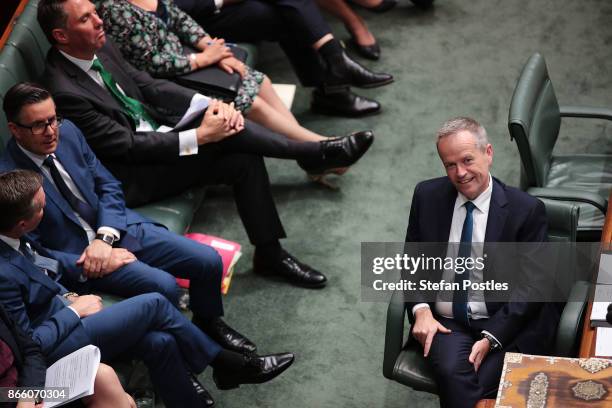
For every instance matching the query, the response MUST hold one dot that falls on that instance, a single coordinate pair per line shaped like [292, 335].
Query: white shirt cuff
[75, 312]
[419, 306]
[109, 230]
[188, 142]
[494, 338]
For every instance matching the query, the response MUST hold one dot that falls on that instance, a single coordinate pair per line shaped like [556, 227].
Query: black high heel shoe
[371, 52]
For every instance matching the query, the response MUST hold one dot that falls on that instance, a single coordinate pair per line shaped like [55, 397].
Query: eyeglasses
[39, 128]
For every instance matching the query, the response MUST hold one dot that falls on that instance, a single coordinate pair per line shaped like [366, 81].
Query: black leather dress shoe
[338, 153]
[292, 270]
[203, 394]
[367, 51]
[256, 370]
[340, 101]
[225, 336]
[362, 77]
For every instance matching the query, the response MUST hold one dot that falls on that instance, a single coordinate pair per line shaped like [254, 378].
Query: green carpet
[459, 58]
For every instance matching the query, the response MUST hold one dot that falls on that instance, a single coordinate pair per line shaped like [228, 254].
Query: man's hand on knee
[425, 328]
[87, 305]
[95, 258]
[480, 349]
[119, 257]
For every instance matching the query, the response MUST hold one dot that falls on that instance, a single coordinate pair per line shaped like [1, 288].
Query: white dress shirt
[188, 141]
[38, 160]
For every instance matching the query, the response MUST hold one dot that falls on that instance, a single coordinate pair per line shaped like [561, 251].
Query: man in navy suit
[465, 340]
[146, 326]
[101, 244]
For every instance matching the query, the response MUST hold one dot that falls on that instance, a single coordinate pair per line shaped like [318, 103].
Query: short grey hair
[453, 126]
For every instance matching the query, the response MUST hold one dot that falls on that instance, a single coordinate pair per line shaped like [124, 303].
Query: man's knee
[166, 285]
[158, 343]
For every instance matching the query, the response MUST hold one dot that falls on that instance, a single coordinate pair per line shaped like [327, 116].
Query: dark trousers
[460, 386]
[231, 162]
[151, 329]
[294, 24]
[162, 256]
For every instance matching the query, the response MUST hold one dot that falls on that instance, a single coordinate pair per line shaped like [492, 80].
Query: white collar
[36, 158]
[85, 65]
[481, 202]
[12, 242]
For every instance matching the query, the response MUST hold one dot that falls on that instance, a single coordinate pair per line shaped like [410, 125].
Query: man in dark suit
[146, 326]
[298, 26]
[118, 114]
[103, 245]
[465, 339]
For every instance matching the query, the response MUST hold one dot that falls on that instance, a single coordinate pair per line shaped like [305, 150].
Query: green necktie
[133, 108]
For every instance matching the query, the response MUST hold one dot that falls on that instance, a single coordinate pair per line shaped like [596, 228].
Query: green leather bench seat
[590, 172]
[176, 212]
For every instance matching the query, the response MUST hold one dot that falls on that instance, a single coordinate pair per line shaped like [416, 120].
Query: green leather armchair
[403, 356]
[534, 122]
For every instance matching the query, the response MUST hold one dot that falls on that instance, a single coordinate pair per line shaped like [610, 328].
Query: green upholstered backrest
[22, 58]
[534, 121]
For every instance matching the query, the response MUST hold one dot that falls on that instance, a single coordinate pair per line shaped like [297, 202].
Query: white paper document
[603, 297]
[603, 344]
[604, 276]
[77, 371]
[196, 108]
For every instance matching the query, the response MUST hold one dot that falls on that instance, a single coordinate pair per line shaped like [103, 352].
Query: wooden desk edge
[9, 27]
[589, 335]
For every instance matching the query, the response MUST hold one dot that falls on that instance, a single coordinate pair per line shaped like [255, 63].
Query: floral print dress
[153, 42]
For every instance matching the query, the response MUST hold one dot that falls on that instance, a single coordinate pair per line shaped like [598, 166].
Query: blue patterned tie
[460, 310]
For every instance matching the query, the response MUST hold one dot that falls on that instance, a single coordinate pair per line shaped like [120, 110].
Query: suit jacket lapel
[83, 183]
[497, 213]
[51, 192]
[85, 81]
[447, 205]
[28, 268]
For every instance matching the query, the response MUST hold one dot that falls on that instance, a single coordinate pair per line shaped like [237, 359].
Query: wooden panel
[9, 28]
[554, 382]
[589, 335]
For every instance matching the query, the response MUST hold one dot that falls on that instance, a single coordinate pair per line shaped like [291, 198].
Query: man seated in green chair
[465, 340]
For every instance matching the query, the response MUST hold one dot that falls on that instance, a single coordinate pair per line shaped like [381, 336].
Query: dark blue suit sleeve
[111, 204]
[50, 332]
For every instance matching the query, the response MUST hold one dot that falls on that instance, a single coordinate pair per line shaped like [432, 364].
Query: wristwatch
[493, 344]
[107, 238]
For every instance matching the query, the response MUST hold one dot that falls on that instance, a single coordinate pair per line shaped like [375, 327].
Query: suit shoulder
[432, 184]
